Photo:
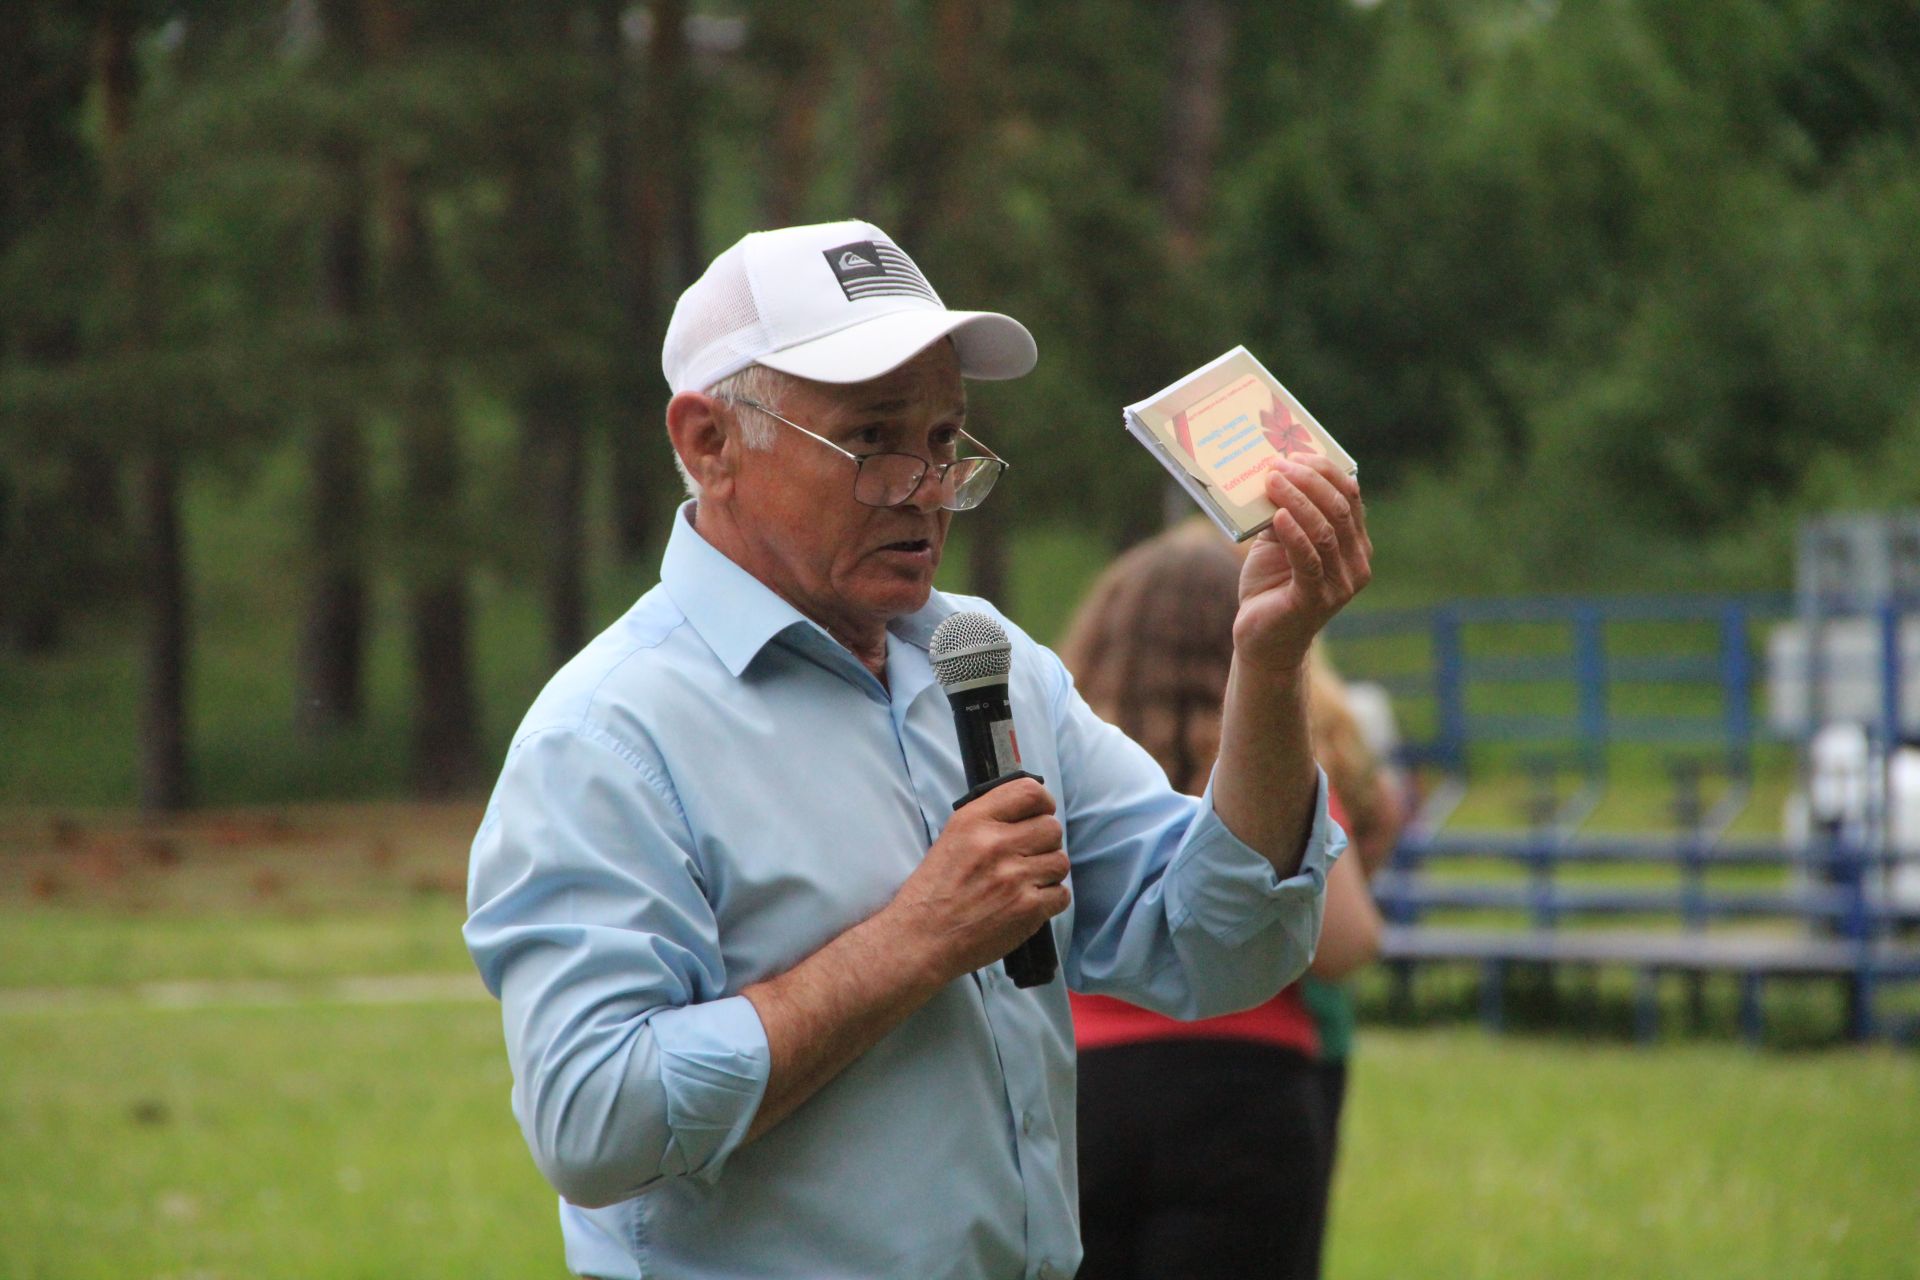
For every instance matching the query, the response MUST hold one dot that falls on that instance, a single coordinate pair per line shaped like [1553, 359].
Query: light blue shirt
[711, 791]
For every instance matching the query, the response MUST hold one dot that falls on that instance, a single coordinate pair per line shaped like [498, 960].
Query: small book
[1220, 429]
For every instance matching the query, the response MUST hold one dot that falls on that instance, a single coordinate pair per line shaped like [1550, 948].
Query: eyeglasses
[889, 479]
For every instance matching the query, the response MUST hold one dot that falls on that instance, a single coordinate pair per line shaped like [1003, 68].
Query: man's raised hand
[1305, 566]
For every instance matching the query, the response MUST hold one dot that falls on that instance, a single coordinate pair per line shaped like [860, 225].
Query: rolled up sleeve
[632, 1063]
[1172, 911]
[1226, 887]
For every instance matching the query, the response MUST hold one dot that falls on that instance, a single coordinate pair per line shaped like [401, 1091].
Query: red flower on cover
[1286, 433]
[1183, 432]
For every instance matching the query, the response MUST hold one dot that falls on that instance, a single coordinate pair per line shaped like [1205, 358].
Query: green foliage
[1595, 292]
[1600, 295]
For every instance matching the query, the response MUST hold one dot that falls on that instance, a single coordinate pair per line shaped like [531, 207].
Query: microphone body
[983, 718]
[971, 658]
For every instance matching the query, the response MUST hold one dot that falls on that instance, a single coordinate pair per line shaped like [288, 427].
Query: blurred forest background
[330, 398]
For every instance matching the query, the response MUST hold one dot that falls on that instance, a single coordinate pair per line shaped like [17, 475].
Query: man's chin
[899, 594]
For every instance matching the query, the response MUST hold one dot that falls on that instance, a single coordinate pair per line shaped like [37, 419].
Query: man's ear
[701, 429]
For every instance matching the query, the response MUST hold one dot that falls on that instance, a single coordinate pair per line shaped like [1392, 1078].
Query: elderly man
[744, 946]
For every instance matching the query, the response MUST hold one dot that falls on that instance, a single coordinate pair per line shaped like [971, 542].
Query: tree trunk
[24, 623]
[445, 721]
[676, 93]
[553, 414]
[331, 664]
[936, 192]
[63, 527]
[165, 780]
[802, 72]
[165, 785]
[875, 78]
[30, 617]
[1201, 45]
[16, 103]
[543, 220]
[15, 31]
[333, 633]
[631, 209]
[942, 199]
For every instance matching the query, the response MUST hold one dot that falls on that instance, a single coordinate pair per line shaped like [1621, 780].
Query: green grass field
[249, 1043]
[335, 1141]
[302, 1141]
[189, 1088]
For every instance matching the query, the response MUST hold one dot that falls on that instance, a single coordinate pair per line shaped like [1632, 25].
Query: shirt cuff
[714, 1064]
[1231, 891]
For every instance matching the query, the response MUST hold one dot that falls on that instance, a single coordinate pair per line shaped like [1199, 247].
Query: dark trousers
[1203, 1158]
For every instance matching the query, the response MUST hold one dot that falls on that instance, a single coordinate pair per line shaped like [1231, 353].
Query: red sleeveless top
[1101, 1022]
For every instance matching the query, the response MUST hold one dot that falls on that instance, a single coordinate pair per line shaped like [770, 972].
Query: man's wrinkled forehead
[930, 383]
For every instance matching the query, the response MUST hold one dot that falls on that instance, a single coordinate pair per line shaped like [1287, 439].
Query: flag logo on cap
[874, 268]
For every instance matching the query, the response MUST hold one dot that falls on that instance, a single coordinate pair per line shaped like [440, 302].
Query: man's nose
[927, 495]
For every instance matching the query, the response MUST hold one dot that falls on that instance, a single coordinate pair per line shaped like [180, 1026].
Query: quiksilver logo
[875, 268]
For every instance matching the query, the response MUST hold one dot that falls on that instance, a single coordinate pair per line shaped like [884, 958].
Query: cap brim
[990, 346]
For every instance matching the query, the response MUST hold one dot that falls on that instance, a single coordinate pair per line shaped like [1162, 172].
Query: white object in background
[1849, 684]
[1903, 827]
[1372, 708]
[1837, 790]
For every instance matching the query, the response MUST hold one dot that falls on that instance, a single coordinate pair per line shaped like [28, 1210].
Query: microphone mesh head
[969, 646]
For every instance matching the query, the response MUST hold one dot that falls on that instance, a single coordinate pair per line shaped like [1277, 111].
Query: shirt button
[1026, 1126]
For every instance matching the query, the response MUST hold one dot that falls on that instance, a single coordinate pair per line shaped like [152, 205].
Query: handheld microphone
[971, 659]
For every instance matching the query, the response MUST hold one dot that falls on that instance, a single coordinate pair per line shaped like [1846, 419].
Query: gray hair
[755, 382]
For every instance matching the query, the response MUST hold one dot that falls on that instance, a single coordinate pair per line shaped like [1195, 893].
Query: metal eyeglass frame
[941, 469]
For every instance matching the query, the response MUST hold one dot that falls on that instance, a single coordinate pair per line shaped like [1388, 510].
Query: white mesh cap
[835, 302]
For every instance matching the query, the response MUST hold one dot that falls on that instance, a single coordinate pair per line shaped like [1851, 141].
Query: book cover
[1221, 428]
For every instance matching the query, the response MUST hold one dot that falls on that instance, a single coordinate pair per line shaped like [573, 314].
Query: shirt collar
[738, 615]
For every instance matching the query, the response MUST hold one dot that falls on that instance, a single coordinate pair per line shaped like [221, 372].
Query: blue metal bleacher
[1486, 686]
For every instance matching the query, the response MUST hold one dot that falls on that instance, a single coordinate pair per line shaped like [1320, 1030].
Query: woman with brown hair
[1206, 1148]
